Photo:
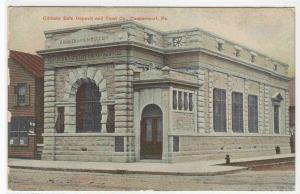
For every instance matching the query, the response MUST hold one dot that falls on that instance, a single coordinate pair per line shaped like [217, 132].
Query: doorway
[151, 132]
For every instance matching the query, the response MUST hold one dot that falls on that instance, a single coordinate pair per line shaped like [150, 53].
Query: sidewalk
[195, 168]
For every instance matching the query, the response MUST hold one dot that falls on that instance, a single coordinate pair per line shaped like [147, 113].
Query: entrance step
[150, 161]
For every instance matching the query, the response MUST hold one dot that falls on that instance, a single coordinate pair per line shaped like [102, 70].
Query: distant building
[125, 92]
[25, 103]
[292, 103]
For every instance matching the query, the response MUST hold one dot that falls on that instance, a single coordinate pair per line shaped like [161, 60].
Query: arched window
[88, 108]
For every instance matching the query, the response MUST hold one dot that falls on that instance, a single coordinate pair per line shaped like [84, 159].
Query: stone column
[49, 115]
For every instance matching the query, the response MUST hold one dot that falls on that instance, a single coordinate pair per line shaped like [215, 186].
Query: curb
[118, 171]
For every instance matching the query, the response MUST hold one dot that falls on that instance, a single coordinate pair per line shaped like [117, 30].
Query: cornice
[166, 51]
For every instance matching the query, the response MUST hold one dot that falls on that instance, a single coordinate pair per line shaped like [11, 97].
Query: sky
[270, 31]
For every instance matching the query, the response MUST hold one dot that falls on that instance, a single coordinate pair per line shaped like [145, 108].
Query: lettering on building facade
[95, 54]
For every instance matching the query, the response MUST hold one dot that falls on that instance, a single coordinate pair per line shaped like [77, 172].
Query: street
[274, 178]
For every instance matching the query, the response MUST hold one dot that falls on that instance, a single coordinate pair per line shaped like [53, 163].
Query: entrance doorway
[151, 132]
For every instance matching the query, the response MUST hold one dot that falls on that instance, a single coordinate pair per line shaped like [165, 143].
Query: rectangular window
[252, 114]
[185, 101]
[110, 125]
[220, 46]
[174, 99]
[219, 110]
[276, 118]
[119, 144]
[175, 144]
[19, 130]
[148, 38]
[22, 94]
[237, 112]
[237, 52]
[253, 57]
[190, 102]
[60, 121]
[180, 100]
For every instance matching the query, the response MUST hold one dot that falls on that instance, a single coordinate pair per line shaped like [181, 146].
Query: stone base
[217, 147]
[102, 148]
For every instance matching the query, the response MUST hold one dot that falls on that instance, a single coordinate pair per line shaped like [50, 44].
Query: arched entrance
[88, 107]
[151, 132]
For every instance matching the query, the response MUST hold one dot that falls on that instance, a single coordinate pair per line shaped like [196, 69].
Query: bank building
[125, 92]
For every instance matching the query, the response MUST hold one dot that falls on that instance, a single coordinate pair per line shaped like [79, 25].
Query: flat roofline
[164, 33]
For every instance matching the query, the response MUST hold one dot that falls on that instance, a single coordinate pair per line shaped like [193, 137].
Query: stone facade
[134, 66]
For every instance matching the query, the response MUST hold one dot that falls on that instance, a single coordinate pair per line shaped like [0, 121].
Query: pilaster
[200, 102]
[49, 101]
[49, 114]
[229, 104]
[123, 99]
[210, 101]
[267, 110]
[261, 108]
[287, 104]
[245, 105]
